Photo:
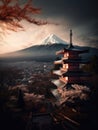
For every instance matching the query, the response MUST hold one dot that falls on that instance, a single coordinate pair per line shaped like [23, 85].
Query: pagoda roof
[76, 74]
[78, 49]
[75, 61]
[72, 49]
[58, 83]
[55, 93]
[58, 62]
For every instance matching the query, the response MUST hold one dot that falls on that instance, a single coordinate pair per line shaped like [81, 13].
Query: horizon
[62, 16]
[44, 43]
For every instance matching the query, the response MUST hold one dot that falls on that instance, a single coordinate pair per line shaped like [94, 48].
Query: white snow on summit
[52, 39]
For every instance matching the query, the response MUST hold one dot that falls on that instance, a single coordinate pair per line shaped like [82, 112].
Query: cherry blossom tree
[12, 13]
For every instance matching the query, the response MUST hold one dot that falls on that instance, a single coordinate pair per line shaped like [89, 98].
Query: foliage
[4, 97]
[8, 76]
[11, 13]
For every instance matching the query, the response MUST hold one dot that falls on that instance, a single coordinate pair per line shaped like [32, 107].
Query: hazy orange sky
[79, 15]
[34, 35]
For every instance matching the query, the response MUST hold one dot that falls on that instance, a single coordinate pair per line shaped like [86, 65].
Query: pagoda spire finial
[70, 45]
[70, 36]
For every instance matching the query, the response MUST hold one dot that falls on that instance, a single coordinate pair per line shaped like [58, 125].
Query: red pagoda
[70, 72]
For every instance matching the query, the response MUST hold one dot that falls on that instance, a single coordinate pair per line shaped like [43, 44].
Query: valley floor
[25, 96]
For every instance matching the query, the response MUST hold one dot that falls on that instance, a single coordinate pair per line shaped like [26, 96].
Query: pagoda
[70, 71]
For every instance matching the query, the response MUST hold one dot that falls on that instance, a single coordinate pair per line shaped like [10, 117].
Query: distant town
[29, 70]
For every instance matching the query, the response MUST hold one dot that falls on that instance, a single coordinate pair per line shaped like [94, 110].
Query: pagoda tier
[75, 74]
[78, 60]
[71, 77]
[82, 61]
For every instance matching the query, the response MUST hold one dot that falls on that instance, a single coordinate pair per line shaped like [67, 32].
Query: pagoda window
[65, 66]
[66, 78]
[66, 55]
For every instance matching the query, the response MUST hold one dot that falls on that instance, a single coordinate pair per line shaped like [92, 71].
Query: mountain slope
[46, 51]
[39, 51]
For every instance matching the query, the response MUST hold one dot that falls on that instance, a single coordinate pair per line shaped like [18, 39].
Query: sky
[62, 15]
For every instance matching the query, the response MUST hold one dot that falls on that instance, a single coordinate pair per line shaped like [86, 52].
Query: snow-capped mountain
[45, 51]
[52, 39]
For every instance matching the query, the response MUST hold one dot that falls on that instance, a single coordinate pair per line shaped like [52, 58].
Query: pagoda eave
[75, 49]
[58, 72]
[58, 83]
[58, 62]
[60, 52]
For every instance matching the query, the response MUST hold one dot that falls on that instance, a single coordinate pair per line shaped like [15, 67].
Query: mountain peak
[52, 39]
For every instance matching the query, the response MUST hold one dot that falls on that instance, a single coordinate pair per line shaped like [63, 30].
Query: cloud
[76, 14]
[88, 34]
[77, 11]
